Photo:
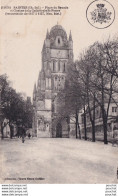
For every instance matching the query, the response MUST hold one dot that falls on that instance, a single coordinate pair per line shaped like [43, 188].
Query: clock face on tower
[62, 54]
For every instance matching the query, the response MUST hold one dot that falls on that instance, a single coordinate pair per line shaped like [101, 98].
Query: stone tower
[57, 51]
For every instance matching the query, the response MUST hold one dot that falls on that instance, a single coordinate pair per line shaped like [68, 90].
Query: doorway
[59, 130]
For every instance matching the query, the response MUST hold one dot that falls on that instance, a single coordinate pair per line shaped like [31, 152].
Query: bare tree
[71, 97]
[85, 72]
[14, 107]
[102, 80]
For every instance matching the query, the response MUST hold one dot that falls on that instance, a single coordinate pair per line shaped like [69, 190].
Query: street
[57, 160]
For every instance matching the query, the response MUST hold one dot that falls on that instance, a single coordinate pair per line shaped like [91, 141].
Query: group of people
[22, 132]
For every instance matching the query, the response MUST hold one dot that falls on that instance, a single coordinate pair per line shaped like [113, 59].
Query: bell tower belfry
[57, 51]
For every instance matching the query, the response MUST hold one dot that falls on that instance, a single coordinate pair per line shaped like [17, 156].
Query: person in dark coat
[23, 133]
[29, 135]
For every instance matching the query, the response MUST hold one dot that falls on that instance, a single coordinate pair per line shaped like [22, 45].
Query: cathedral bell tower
[57, 51]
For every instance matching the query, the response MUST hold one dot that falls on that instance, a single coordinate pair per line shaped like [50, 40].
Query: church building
[57, 51]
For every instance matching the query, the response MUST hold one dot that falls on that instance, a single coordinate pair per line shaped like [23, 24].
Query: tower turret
[43, 46]
[47, 40]
[70, 47]
[34, 92]
[70, 41]
[47, 35]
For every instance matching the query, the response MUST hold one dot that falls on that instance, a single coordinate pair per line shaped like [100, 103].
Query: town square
[59, 95]
[57, 161]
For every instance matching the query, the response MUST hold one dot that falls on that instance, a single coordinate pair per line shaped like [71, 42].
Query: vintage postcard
[59, 92]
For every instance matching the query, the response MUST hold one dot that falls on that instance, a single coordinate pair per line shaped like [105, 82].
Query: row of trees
[14, 106]
[91, 82]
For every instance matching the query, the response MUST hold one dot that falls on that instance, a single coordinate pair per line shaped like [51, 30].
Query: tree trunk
[104, 115]
[105, 128]
[93, 121]
[76, 123]
[11, 130]
[93, 131]
[79, 131]
[68, 121]
[2, 135]
[85, 129]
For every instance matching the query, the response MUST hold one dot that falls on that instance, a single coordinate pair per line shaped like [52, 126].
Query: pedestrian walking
[23, 133]
[29, 135]
[23, 138]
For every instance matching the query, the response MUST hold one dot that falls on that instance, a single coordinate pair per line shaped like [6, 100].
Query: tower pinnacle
[34, 88]
[70, 37]
[47, 35]
[44, 45]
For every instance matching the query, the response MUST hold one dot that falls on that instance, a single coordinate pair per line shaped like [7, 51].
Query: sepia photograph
[59, 92]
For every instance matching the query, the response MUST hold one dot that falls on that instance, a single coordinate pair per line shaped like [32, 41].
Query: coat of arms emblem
[101, 14]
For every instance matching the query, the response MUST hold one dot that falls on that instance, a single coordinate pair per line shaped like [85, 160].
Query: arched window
[53, 66]
[64, 67]
[58, 40]
[47, 83]
[53, 106]
[59, 66]
[55, 83]
[59, 86]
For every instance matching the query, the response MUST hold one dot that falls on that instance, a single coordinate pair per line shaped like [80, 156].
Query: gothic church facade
[57, 51]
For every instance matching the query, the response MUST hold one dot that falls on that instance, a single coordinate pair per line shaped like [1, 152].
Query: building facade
[57, 51]
[112, 123]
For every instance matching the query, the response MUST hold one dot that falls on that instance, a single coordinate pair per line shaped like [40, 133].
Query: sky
[22, 37]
